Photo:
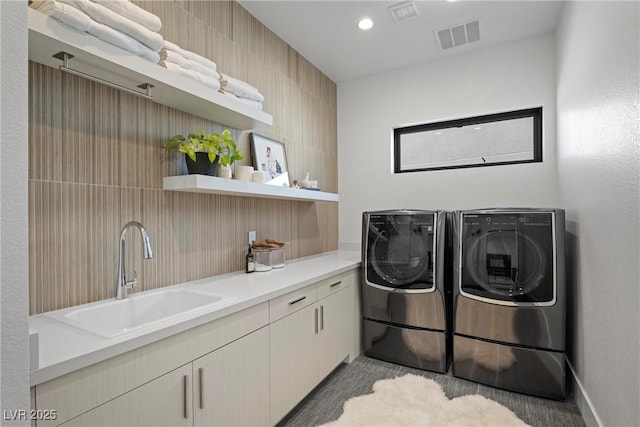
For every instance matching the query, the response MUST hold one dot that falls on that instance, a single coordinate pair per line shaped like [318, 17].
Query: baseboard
[581, 397]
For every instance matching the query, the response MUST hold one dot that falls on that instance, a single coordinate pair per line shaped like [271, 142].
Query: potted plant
[229, 153]
[203, 152]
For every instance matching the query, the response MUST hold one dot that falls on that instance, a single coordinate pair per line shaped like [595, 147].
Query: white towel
[173, 56]
[250, 102]
[190, 74]
[240, 88]
[63, 13]
[135, 13]
[108, 17]
[190, 55]
[80, 21]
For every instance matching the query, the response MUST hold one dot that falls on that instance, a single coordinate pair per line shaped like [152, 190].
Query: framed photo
[269, 157]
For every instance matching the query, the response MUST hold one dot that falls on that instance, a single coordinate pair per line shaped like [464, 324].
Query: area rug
[412, 400]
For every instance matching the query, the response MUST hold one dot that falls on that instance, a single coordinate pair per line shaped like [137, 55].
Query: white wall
[14, 236]
[598, 156]
[503, 78]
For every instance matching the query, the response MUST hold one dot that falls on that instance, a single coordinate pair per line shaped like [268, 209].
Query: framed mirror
[488, 140]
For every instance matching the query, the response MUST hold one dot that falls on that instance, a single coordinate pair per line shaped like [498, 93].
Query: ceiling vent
[458, 35]
[403, 11]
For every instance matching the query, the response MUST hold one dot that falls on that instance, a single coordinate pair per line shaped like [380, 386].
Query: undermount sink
[115, 317]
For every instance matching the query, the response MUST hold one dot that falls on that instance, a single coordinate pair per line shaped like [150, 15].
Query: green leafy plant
[228, 150]
[213, 144]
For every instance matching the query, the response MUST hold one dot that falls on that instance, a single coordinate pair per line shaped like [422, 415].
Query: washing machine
[509, 299]
[404, 294]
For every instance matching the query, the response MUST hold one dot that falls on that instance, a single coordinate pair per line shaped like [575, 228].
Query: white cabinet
[334, 337]
[249, 368]
[308, 343]
[231, 385]
[111, 382]
[228, 387]
[293, 342]
[161, 402]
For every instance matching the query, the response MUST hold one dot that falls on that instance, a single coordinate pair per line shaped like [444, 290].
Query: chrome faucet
[122, 283]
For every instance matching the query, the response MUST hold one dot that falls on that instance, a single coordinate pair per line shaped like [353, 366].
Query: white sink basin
[115, 317]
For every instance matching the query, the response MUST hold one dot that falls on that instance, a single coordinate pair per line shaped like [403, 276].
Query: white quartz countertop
[63, 348]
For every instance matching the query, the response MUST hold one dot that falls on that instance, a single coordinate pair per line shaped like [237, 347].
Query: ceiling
[325, 31]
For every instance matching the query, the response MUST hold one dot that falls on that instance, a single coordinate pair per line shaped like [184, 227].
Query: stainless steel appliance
[509, 299]
[404, 297]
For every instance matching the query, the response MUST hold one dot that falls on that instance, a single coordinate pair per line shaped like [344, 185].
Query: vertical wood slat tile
[76, 211]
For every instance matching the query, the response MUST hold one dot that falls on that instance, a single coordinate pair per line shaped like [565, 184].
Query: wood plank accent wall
[96, 162]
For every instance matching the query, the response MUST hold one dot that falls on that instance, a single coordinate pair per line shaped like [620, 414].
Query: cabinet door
[231, 384]
[293, 357]
[165, 401]
[336, 331]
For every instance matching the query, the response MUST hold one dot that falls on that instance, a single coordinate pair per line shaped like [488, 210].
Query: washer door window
[400, 251]
[508, 257]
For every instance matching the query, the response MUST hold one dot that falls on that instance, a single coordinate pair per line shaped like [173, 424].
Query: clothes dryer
[404, 295]
[509, 299]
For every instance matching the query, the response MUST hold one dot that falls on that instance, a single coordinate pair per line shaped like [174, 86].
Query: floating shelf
[234, 187]
[48, 36]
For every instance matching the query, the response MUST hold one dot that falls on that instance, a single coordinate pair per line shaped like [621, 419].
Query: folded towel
[135, 13]
[190, 55]
[250, 102]
[190, 74]
[254, 104]
[240, 88]
[80, 21]
[172, 56]
[176, 58]
[108, 17]
[66, 14]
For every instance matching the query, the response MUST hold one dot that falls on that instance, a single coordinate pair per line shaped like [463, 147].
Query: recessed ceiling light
[365, 24]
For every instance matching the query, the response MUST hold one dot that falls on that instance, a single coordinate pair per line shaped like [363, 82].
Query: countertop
[63, 349]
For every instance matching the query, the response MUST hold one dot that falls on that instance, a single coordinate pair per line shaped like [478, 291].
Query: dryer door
[400, 250]
[508, 257]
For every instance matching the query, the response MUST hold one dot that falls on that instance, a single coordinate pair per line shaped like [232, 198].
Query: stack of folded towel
[118, 22]
[190, 65]
[241, 90]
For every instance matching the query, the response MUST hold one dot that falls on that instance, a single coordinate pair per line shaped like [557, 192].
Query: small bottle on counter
[250, 264]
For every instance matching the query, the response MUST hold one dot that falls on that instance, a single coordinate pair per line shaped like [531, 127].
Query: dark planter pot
[202, 165]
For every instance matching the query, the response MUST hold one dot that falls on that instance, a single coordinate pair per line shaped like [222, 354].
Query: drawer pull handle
[335, 284]
[296, 300]
[322, 317]
[201, 374]
[316, 319]
[186, 396]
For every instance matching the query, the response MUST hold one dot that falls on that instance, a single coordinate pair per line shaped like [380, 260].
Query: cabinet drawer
[328, 286]
[292, 302]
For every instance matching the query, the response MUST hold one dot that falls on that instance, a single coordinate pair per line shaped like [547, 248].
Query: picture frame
[269, 156]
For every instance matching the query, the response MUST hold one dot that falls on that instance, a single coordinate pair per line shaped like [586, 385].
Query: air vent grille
[458, 35]
[403, 10]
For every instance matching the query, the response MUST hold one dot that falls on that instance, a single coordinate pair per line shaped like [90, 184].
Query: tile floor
[325, 402]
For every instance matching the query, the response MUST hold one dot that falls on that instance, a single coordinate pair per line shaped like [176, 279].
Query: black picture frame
[270, 156]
